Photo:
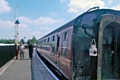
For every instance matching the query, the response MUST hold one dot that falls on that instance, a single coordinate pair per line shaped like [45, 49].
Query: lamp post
[16, 37]
[16, 31]
[15, 12]
[24, 39]
[16, 24]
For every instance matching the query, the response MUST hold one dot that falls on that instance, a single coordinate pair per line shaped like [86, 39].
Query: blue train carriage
[86, 47]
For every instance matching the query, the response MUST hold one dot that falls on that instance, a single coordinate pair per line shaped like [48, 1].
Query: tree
[34, 40]
[29, 41]
[9, 41]
[22, 40]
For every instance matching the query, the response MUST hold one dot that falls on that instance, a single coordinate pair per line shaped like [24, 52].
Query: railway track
[55, 72]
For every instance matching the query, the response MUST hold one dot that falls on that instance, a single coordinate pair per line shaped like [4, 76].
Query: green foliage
[22, 40]
[12, 41]
[33, 40]
[9, 41]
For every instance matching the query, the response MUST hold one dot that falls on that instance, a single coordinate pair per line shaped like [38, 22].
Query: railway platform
[17, 69]
[40, 70]
[25, 69]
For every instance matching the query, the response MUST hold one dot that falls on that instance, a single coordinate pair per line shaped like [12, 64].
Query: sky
[40, 17]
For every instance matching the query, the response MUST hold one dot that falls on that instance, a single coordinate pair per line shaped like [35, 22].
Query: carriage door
[58, 51]
[109, 48]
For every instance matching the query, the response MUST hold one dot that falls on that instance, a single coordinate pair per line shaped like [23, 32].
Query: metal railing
[7, 52]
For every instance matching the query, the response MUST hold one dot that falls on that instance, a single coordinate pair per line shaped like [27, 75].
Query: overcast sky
[39, 17]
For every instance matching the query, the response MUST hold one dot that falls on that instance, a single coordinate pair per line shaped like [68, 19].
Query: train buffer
[25, 69]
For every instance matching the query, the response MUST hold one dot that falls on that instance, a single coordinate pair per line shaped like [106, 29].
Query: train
[85, 48]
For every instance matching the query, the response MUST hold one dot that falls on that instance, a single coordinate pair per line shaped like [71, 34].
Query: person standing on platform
[30, 47]
[21, 49]
[16, 51]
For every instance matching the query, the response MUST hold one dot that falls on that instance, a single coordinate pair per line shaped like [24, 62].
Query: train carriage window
[48, 40]
[53, 38]
[53, 44]
[65, 44]
[65, 35]
[58, 41]
[45, 40]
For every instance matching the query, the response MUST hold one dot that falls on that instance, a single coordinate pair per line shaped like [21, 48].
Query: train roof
[76, 21]
[98, 13]
[69, 24]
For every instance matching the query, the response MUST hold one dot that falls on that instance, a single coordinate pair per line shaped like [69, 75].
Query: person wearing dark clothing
[30, 50]
[16, 49]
